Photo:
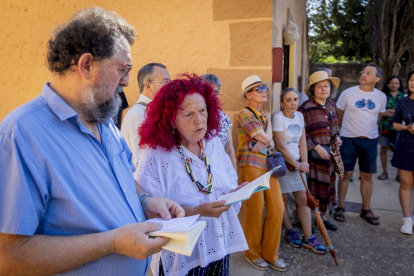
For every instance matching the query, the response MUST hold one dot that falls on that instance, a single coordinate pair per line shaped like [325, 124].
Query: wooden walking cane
[313, 204]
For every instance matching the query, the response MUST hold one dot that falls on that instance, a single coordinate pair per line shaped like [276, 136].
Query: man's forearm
[140, 191]
[379, 118]
[47, 255]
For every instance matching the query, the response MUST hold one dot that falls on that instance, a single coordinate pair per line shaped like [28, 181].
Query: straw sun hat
[320, 76]
[250, 83]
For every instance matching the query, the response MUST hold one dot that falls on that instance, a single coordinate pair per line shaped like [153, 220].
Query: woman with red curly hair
[183, 160]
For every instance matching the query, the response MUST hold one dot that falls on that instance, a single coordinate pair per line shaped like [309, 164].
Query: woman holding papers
[290, 139]
[255, 136]
[183, 160]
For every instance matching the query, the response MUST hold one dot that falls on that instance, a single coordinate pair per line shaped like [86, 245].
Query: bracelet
[143, 197]
[297, 166]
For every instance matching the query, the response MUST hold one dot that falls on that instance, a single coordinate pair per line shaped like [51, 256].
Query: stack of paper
[183, 233]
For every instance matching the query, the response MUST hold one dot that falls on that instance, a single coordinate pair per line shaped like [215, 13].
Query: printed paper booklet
[183, 233]
[257, 185]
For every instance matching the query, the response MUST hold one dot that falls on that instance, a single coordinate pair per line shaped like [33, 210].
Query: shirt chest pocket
[122, 170]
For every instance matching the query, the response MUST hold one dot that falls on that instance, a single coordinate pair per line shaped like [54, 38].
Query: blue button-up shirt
[56, 178]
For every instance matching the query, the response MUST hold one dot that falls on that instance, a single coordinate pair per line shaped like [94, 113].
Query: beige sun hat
[248, 84]
[320, 76]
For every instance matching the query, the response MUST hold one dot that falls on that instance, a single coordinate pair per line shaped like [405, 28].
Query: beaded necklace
[204, 189]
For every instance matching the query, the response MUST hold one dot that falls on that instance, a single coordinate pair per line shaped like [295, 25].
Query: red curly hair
[157, 129]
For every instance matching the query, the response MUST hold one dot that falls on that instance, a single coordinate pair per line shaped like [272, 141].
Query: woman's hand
[303, 167]
[238, 187]
[258, 146]
[322, 152]
[268, 117]
[338, 141]
[212, 209]
[411, 128]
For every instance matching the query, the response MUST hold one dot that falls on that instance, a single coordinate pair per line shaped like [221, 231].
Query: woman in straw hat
[255, 137]
[317, 113]
[290, 138]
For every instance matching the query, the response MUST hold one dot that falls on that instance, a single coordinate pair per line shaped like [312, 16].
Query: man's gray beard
[100, 112]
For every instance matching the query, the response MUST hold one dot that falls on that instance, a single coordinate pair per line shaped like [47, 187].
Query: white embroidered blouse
[162, 173]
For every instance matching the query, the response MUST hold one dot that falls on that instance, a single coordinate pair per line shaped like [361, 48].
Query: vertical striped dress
[321, 178]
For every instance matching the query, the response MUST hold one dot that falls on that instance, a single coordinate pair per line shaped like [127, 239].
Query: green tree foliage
[337, 31]
[391, 28]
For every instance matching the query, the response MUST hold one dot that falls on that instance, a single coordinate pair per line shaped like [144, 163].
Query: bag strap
[330, 113]
[254, 113]
[143, 104]
[269, 149]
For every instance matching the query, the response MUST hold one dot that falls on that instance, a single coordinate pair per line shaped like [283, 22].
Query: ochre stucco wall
[231, 38]
[187, 36]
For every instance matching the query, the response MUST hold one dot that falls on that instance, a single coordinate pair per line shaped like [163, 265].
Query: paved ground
[361, 248]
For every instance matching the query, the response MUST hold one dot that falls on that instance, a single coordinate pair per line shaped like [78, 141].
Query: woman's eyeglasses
[261, 88]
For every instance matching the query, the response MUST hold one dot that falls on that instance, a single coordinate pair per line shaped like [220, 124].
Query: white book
[257, 185]
[183, 233]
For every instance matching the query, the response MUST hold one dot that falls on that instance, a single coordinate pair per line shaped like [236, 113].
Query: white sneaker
[407, 227]
[279, 265]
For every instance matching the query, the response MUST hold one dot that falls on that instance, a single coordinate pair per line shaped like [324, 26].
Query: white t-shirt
[129, 128]
[292, 130]
[361, 112]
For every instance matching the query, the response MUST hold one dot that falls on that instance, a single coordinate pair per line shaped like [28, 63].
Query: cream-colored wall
[283, 11]
[231, 38]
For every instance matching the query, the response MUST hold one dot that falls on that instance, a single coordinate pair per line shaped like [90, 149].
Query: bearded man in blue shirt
[68, 200]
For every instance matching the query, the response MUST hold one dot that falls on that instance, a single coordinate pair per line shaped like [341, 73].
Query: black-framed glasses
[128, 68]
[260, 89]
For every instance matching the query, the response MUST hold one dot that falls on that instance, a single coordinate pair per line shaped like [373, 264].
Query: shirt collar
[143, 99]
[320, 105]
[258, 112]
[57, 104]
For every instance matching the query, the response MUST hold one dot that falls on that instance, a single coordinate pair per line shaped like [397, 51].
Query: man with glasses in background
[359, 111]
[68, 199]
[151, 78]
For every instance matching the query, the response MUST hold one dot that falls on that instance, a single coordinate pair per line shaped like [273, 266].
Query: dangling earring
[173, 130]
[281, 108]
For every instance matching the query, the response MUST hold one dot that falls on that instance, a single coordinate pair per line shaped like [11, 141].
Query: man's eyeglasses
[163, 82]
[125, 72]
[369, 73]
[261, 88]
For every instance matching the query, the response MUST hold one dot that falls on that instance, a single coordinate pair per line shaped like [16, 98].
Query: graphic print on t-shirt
[295, 130]
[362, 103]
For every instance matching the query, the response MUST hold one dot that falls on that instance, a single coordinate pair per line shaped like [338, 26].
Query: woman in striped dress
[316, 112]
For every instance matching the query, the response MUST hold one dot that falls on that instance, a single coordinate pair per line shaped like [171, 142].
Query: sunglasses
[261, 88]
